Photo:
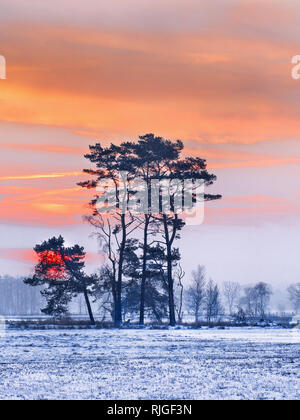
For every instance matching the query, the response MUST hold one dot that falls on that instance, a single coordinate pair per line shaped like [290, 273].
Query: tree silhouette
[160, 159]
[60, 268]
[150, 158]
[110, 161]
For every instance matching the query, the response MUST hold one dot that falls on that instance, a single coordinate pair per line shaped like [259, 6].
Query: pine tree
[61, 270]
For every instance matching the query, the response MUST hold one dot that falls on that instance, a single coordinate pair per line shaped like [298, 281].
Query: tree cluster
[142, 270]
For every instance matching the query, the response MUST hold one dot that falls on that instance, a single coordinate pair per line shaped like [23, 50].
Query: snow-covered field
[151, 364]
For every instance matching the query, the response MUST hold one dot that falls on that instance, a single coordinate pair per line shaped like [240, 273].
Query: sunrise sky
[214, 73]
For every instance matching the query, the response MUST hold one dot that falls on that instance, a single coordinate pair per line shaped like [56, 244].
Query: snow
[235, 363]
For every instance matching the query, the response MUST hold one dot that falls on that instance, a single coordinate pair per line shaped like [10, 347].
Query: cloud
[215, 73]
[43, 207]
[163, 15]
[40, 176]
[222, 158]
[259, 215]
[29, 256]
[24, 255]
[44, 148]
[217, 83]
[256, 199]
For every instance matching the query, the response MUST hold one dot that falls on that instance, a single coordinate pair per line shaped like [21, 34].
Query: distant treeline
[16, 298]
[196, 300]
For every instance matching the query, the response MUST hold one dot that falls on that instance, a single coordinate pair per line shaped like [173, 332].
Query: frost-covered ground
[151, 364]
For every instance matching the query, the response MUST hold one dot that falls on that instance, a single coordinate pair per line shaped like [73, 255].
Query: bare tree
[179, 289]
[256, 300]
[111, 237]
[294, 295]
[104, 293]
[240, 316]
[231, 292]
[213, 306]
[247, 302]
[263, 294]
[196, 292]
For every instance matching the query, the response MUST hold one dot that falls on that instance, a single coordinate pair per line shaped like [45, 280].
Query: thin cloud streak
[40, 176]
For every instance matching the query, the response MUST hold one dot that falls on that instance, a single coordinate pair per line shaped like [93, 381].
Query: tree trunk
[88, 305]
[172, 317]
[144, 271]
[171, 291]
[179, 312]
[118, 313]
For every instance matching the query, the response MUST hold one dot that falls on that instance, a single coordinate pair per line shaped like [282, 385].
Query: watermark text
[296, 67]
[2, 67]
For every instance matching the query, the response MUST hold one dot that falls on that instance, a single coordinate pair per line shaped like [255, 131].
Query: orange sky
[215, 74]
[219, 87]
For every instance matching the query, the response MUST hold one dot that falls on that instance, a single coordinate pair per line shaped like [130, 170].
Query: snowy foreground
[151, 364]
